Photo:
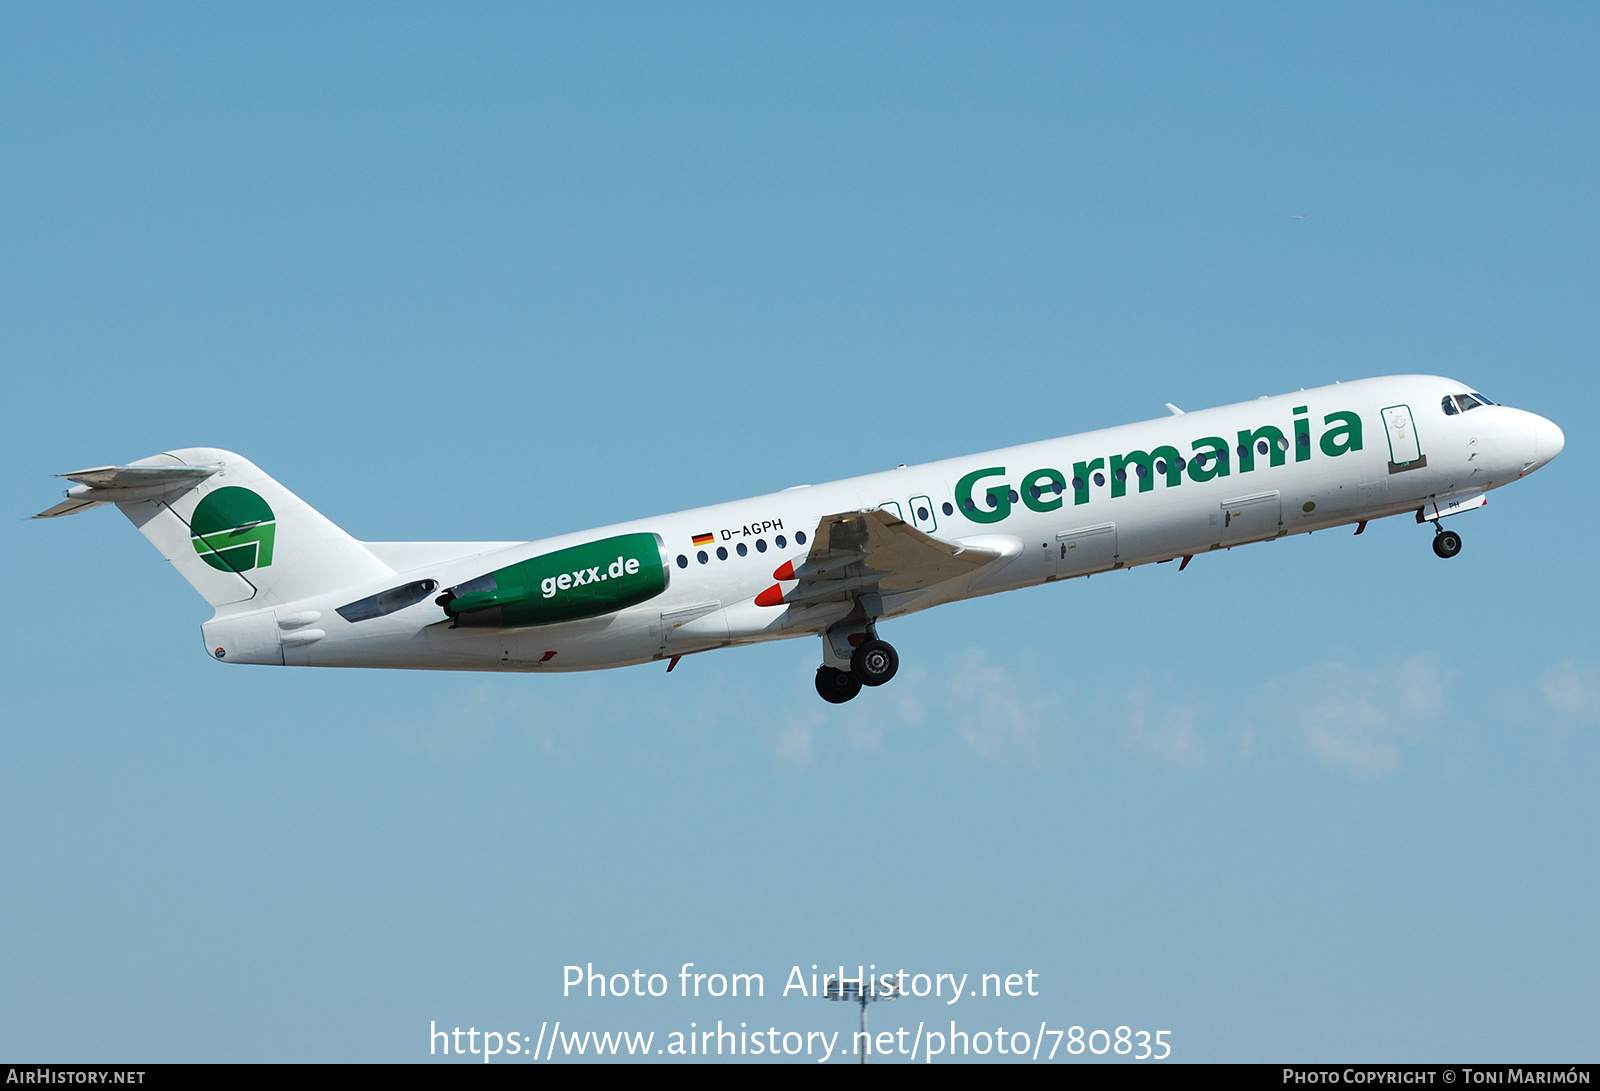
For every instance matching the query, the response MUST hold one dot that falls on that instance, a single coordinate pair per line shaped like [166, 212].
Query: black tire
[874, 662]
[836, 686]
[1447, 543]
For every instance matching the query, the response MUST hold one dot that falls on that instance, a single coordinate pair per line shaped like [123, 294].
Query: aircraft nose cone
[1548, 440]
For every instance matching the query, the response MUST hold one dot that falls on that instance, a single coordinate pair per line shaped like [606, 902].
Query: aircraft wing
[871, 552]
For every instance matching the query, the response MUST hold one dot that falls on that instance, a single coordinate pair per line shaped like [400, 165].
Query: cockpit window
[1482, 399]
[1449, 406]
[1460, 403]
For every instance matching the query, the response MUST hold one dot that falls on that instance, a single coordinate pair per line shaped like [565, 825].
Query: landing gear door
[923, 517]
[1085, 550]
[1252, 518]
[1405, 451]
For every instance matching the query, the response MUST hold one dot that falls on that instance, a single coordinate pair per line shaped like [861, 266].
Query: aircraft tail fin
[233, 532]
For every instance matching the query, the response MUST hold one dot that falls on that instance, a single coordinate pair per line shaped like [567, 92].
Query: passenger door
[1405, 450]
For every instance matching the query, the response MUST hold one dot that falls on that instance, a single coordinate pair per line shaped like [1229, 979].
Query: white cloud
[999, 714]
[794, 743]
[465, 725]
[911, 699]
[1358, 718]
[1169, 732]
[1571, 691]
[475, 716]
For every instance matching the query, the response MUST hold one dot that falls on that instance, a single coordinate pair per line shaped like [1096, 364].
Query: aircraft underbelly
[617, 640]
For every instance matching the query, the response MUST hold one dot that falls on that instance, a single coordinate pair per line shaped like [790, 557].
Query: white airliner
[289, 587]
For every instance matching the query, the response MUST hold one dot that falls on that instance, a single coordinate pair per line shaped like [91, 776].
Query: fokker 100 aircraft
[290, 587]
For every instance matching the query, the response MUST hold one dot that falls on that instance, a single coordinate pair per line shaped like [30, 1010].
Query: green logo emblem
[233, 529]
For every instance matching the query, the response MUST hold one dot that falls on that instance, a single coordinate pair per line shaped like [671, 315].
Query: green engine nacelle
[578, 582]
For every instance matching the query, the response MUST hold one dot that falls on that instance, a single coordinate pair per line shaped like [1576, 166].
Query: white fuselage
[1054, 510]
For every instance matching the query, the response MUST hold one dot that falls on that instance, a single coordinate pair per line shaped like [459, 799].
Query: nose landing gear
[1446, 543]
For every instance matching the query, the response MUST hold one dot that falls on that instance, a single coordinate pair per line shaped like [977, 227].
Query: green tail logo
[233, 530]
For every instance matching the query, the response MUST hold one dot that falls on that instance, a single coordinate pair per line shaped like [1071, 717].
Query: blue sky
[499, 272]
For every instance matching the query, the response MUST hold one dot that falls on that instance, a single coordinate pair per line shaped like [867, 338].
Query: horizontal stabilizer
[133, 477]
[124, 484]
[233, 532]
[70, 506]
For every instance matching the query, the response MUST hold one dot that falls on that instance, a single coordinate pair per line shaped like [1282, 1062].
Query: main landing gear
[836, 686]
[1446, 543]
[872, 663]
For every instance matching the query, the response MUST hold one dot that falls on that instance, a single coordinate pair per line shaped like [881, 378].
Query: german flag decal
[704, 539]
